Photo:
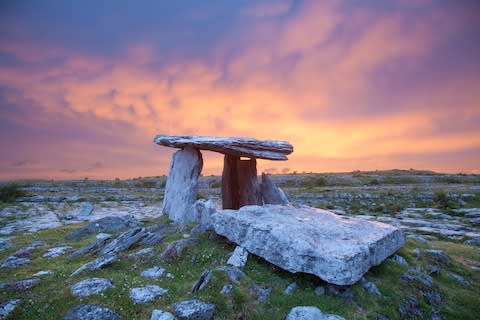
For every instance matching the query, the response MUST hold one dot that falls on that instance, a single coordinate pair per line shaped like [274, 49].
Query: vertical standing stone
[239, 182]
[229, 182]
[248, 187]
[271, 194]
[181, 190]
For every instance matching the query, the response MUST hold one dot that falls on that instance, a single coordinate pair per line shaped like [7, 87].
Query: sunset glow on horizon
[352, 85]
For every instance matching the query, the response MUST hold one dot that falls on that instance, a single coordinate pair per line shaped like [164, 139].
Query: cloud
[350, 85]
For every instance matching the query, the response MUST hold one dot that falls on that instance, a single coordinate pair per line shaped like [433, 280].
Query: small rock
[92, 248]
[24, 252]
[262, 293]
[6, 307]
[56, 252]
[233, 274]
[22, 285]
[90, 287]
[381, 316]
[124, 241]
[290, 289]
[226, 289]
[140, 252]
[310, 313]
[37, 243]
[437, 257]
[91, 312]
[153, 273]
[102, 236]
[271, 194]
[202, 281]
[170, 276]
[369, 286]
[400, 260]
[417, 277]
[320, 291]
[97, 263]
[161, 315]
[345, 292]
[204, 209]
[106, 224]
[86, 210]
[176, 249]
[409, 308]
[14, 262]
[419, 238]
[473, 242]
[432, 296]
[6, 244]
[460, 279]
[238, 258]
[146, 294]
[435, 315]
[42, 273]
[418, 252]
[194, 310]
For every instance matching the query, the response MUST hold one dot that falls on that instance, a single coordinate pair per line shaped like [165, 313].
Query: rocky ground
[75, 249]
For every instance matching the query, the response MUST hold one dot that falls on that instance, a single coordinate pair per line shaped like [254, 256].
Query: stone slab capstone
[337, 249]
[242, 147]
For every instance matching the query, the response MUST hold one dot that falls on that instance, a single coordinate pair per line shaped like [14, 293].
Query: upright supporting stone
[239, 183]
[271, 194]
[181, 190]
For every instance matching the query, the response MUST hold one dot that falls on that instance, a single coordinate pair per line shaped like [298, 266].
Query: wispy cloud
[351, 85]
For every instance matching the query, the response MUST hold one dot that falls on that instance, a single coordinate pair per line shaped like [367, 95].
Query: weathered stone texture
[240, 147]
[271, 194]
[337, 249]
[239, 183]
[181, 190]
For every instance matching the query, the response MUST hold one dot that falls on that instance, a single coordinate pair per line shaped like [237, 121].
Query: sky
[352, 85]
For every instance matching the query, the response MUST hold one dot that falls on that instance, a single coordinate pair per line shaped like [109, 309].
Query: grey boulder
[181, 189]
[146, 294]
[97, 263]
[194, 310]
[106, 224]
[56, 252]
[153, 273]
[238, 258]
[271, 194]
[91, 312]
[161, 315]
[90, 287]
[14, 262]
[337, 249]
[204, 209]
[310, 313]
[6, 307]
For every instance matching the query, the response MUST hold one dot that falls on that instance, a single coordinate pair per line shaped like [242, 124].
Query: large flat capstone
[241, 147]
[337, 249]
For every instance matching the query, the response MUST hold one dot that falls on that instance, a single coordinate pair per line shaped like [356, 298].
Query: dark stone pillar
[239, 183]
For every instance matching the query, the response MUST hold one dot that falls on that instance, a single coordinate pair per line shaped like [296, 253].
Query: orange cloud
[310, 78]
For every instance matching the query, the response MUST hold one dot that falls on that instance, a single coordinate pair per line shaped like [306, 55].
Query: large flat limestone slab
[337, 249]
[241, 147]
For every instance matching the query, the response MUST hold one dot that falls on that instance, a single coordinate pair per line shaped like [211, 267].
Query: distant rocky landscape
[102, 249]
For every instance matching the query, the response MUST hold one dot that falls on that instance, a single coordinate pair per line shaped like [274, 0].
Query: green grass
[52, 298]
[10, 192]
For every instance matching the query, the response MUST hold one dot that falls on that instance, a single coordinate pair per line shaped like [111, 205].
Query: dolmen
[258, 217]
[239, 179]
